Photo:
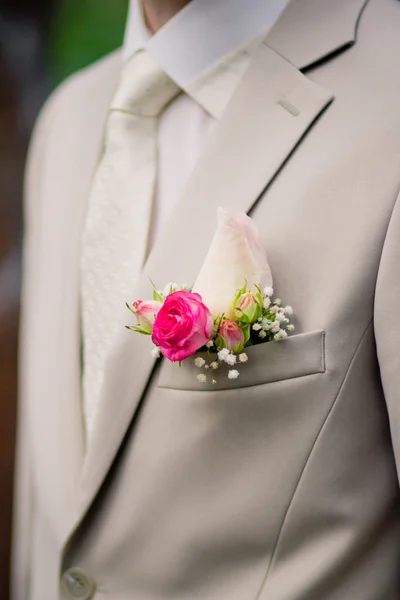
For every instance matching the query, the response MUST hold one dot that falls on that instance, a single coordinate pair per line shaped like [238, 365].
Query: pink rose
[182, 326]
[146, 312]
[230, 336]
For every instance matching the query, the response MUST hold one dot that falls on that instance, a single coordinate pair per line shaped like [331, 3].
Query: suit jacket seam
[384, 243]
[307, 461]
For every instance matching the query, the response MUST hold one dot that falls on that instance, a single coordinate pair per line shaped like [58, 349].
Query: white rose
[236, 257]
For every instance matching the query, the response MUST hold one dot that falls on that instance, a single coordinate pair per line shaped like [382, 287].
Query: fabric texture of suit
[281, 485]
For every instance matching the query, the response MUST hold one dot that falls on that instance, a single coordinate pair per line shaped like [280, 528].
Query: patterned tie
[119, 214]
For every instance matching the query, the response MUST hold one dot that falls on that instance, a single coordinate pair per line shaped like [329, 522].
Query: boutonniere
[231, 305]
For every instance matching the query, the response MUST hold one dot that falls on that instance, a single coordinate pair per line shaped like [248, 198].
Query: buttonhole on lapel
[289, 107]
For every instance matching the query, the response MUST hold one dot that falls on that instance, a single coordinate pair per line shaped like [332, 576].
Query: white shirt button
[76, 584]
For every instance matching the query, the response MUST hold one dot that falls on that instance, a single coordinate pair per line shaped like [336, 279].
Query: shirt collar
[206, 47]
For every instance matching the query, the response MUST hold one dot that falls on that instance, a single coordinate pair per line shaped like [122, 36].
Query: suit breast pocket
[293, 357]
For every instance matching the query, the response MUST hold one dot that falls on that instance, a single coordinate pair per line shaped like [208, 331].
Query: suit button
[78, 585]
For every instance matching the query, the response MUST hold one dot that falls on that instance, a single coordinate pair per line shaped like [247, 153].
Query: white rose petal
[233, 374]
[201, 378]
[236, 256]
[199, 362]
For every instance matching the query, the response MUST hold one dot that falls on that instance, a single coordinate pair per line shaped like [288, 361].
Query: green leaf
[246, 332]
[130, 308]
[239, 349]
[157, 297]
[217, 324]
[243, 318]
[219, 342]
[138, 329]
[239, 293]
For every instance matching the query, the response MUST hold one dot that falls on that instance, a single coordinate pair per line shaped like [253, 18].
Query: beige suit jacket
[281, 485]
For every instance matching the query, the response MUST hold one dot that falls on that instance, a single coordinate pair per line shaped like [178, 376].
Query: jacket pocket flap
[295, 356]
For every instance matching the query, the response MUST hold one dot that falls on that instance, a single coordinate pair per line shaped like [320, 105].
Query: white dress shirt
[205, 49]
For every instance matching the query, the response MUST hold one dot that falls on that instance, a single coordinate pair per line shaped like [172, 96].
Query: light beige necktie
[119, 214]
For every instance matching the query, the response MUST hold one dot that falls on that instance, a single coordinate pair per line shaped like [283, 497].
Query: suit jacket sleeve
[23, 510]
[387, 325]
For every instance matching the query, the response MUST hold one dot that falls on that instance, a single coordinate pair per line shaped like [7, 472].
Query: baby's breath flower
[290, 327]
[199, 362]
[210, 344]
[266, 303]
[214, 365]
[275, 327]
[233, 374]
[243, 357]
[156, 352]
[278, 301]
[222, 354]
[262, 334]
[280, 335]
[274, 309]
[256, 327]
[201, 378]
[280, 316]
[288, 310]
[213, 381]
[207, 367]
[266, 324]
[230, 359]
[268, 291]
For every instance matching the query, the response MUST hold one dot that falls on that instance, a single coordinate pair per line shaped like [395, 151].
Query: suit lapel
[310, 31]
[273, 108]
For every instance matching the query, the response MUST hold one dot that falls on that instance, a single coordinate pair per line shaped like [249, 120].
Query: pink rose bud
[183, 325]
[146, 312]
[230, 336]
[248, 308]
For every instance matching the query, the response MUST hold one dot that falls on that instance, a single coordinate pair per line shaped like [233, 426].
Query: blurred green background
[82, 31]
